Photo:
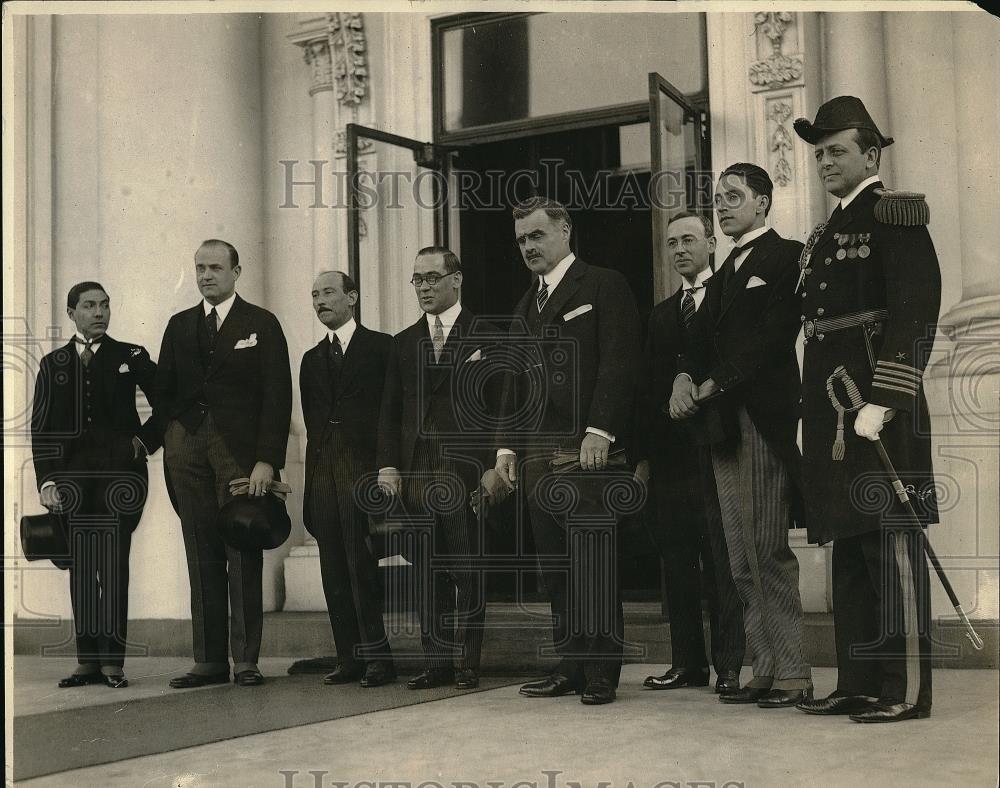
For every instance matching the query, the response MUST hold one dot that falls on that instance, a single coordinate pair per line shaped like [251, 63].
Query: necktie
[687, 305]
[542, 296]
[729, 267]
[336, 356]
[88, 353]
[437, 338]
[212, 324]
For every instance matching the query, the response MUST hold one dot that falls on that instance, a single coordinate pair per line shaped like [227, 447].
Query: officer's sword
[904, 497]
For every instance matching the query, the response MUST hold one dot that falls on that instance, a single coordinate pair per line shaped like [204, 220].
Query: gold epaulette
[904, 208]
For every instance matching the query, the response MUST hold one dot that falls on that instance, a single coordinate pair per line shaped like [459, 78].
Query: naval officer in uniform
[870, 290]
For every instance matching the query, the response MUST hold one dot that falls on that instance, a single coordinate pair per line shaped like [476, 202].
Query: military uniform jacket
[874, 255]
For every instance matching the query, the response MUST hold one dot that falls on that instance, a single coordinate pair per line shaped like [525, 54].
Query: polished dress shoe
[189, 680]
[466, 679]
[598, 692]
[116, 682]
[552, 686]
[836, 704]
[888, 711]
[727, 682]
[378, 673]
[344, 673]
[81, 679]
[781, 698]
[248, 678]
[745, 695]
[678, 677]
[432, 677]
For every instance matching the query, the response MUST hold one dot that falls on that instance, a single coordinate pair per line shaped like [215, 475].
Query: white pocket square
[250, 341]
[755, 281]
[477, 355]
[580, 310]
[123, 368]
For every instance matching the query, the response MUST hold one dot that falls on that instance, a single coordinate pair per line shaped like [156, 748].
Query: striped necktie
[687, 306]
[542, 297]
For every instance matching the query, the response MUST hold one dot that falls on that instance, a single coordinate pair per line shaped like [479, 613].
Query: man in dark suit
[870, 290]
[575, 395]
[224, 401]
[433, 426]
[341, 382]
[743, 355]
[688, 522]
[89, 451]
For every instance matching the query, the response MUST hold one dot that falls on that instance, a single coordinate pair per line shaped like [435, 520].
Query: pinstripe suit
[744, 341]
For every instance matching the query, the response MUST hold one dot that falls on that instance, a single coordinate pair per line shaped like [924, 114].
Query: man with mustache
[341, 381]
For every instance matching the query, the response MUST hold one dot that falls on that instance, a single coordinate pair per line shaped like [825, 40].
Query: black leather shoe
[727, 682]
[745, 695]
[432, 677]
[81, 680]
[248, 678]
[116, 682]
[887, 711]
[378, 673]
[344, 673]
[598, 691]
[552, 686]
[466, 679]
[189, 680]
[780, 698]
[836, 704]
[678, 677]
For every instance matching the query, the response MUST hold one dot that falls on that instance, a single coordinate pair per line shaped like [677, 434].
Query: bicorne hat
[842, 112]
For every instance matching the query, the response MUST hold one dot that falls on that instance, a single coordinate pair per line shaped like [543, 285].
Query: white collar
[845, 201]
[554, 277]
[93, 346]
[344, 333]
[222, 310]
[752, 235]
[699, 280]
[448, 318]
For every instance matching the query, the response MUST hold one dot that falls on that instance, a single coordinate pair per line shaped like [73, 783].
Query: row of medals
[851, 241]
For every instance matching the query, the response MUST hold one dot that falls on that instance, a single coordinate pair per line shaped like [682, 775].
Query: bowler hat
[251, 523]
[44, 536]
[842, 112]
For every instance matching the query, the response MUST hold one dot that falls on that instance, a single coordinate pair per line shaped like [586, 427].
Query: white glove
[870, 420]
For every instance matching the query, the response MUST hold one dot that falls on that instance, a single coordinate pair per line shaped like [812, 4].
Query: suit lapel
[319, 369]
[109, 366]
[233, 329]
[741, 277]
[564, 292]
[356, 351]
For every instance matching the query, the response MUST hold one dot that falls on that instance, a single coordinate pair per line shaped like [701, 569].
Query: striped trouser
[881, 616]
[753, 487]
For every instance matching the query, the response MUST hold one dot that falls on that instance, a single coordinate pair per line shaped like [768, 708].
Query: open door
[396, 179]
[678, 171]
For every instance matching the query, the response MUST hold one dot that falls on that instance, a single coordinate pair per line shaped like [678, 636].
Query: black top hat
[44, 536]
[842, 112]
[247, 523]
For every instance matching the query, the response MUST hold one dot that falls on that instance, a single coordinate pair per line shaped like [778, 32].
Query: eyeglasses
[431, 279]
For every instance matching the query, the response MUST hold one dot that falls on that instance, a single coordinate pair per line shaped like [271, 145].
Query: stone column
[854, 65]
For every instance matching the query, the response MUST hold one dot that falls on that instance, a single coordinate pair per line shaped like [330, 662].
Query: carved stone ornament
[317, 55]
[780, 142]
[777, 69]
[335, 48]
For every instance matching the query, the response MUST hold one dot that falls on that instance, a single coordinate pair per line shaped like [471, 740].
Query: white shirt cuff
[602, 433]
[501, 452]
[47, 484]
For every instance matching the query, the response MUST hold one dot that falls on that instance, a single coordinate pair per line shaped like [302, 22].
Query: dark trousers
[754, 497]
[106, 495]
[444, 550]
[688, 532]
[349, 569]
[882, 617]
[576, 535]
[201, 468]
